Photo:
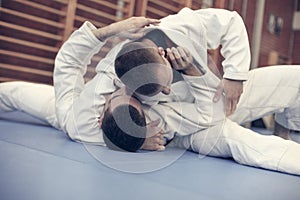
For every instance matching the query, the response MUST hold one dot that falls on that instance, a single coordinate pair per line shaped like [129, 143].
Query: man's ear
[161, 51]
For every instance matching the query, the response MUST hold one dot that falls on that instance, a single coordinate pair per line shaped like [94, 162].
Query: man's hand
[182, 60]
[126, 28]
[154, 143]
[232, 89]
[155, 139]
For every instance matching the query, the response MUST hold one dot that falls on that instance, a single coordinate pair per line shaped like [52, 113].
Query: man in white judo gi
[214, 133]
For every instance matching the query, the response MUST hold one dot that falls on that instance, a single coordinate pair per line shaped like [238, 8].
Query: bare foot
[281, 131]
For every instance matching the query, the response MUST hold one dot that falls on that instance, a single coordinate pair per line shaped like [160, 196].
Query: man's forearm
[70, 66]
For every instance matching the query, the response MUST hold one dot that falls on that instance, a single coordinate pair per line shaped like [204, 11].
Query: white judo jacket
[187, 110]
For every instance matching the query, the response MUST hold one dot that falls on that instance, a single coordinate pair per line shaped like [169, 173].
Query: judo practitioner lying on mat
[188, 116]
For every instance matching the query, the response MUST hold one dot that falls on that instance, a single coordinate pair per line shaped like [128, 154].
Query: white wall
[296, 21]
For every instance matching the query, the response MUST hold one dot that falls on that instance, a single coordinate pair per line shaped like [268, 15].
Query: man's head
[123, 122]
[144, 69]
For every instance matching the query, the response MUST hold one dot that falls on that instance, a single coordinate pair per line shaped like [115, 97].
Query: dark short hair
[134, 55]
[129, 138]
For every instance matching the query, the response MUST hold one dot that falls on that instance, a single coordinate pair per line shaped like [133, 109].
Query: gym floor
[40, 162]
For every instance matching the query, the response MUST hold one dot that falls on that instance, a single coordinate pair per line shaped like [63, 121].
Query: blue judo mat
[40, 162]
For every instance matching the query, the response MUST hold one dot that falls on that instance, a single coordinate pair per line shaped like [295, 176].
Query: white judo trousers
[37, 100]
[268, 90]
[262, 95]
